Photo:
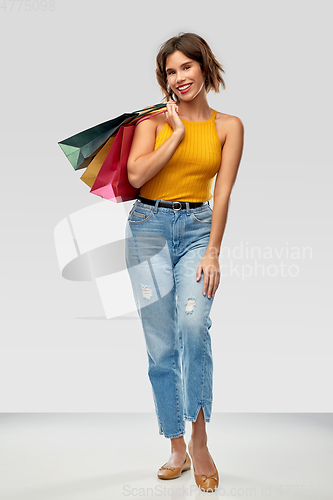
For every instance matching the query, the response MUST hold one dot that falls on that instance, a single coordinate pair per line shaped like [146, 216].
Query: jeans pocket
[139, 215]
[203, 216]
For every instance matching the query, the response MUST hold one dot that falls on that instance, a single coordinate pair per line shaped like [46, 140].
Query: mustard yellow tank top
[190, 172]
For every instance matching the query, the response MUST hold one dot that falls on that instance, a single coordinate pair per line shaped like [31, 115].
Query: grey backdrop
[78, 63]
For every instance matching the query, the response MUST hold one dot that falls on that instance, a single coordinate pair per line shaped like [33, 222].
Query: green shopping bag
[81, 148]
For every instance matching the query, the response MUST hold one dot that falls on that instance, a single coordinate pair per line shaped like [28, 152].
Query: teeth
[185, 87]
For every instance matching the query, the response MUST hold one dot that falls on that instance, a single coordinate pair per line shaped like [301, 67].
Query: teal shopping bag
[81, 148]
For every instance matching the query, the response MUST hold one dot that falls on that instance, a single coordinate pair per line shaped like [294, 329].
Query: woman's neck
[196, 110]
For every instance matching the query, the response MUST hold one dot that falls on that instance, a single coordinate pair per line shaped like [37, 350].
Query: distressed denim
[163, 249]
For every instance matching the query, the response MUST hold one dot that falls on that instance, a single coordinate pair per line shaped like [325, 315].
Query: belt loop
[156, 205]
[187, 208]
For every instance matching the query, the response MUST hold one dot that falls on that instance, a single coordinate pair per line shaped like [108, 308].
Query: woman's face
[184, 76]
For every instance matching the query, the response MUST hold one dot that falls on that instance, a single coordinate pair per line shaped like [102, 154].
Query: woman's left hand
[210, 266]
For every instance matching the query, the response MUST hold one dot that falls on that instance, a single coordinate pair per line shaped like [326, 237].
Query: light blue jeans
[163, 249]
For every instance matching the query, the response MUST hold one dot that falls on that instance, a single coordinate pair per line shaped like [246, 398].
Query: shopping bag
[112, 180]
[90, 174]
[81, 148]
[95, 165]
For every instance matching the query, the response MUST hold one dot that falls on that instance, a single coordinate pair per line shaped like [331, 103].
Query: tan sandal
[174, 472]
[206, 483]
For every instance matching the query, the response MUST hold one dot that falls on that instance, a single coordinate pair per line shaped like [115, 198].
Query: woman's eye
[185, 67]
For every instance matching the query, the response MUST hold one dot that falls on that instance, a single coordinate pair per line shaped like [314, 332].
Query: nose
[179, 77]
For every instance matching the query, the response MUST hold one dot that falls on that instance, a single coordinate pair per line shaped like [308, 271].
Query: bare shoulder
[226, 124]
[156, 122]
[224, 120]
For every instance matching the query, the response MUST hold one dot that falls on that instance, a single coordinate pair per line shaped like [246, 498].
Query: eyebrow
[184, 64]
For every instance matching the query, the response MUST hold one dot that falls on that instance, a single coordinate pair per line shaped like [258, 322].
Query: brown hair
[196, 48]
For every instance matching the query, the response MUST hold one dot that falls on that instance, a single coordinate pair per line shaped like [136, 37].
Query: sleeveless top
[189, 174]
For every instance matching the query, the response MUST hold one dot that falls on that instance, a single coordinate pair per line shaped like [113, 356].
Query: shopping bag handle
[146, 117]
[148, 114]
[150, 108]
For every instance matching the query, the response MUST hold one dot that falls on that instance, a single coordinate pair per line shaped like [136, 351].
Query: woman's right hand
[173, 119]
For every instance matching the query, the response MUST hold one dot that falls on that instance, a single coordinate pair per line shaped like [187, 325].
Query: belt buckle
[173, 202]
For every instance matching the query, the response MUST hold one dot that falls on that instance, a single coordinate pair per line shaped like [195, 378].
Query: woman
[173, 241]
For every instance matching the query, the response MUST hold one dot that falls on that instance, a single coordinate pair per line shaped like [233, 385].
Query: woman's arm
[225, 180]
[226, 177]
[144, 162]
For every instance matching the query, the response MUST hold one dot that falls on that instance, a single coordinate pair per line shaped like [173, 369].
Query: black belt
[171, 204]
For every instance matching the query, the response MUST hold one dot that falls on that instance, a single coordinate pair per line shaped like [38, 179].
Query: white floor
[116, 456]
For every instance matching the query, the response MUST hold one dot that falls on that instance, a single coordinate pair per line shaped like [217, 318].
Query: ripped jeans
[163, 249]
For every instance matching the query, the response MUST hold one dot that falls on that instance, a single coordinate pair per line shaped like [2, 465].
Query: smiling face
[184, 76]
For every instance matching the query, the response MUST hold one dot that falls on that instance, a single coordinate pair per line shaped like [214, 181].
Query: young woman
[173, 240]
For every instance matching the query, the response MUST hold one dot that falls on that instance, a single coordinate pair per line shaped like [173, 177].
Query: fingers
[211, 279]
[216, 285]
[172, 106]
[172, 117]
[211, 283]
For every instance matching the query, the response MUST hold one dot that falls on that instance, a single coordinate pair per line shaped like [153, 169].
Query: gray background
[67, 69]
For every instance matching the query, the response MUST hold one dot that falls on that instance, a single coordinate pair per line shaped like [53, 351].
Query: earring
[172, 95]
